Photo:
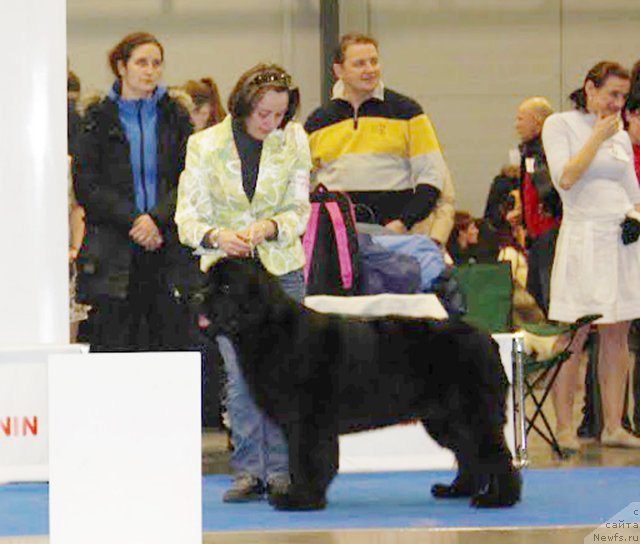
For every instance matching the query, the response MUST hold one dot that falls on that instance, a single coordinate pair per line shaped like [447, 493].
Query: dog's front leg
[313, 462]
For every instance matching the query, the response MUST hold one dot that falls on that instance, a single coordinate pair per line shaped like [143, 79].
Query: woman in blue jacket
[133, 270]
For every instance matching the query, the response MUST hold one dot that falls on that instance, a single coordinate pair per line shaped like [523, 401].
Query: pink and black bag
[331, 245]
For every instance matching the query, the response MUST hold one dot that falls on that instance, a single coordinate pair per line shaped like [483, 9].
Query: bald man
[542, 209]
[541, 203]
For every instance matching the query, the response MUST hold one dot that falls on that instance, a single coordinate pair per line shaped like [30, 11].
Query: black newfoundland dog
[320, 375]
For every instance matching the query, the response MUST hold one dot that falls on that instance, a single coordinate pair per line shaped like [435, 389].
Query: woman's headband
[264, 78]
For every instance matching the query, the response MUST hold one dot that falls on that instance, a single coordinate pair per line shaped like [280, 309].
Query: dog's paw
[458, 488]
[299, 502]
[498, 491]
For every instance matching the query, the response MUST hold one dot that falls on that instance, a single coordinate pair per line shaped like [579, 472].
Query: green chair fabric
[488, 291]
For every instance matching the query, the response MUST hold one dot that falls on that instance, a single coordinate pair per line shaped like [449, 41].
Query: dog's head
[239, 294]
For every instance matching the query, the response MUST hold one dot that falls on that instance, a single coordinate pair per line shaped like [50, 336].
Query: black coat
[105, 188]
[540, 178]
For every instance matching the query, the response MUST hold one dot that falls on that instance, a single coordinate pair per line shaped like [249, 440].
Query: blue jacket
[139, 120]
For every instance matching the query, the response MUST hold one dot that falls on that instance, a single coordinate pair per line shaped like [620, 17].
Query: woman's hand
[145, 233]
[260, 231]
[234, 244]
[606, 126]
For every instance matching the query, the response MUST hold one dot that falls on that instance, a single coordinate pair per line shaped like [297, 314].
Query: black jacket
[105, 188]
[541, 178]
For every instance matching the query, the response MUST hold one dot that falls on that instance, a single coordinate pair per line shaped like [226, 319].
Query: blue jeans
[260, 448]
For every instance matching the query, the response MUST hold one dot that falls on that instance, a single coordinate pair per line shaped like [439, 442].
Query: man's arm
[428, 170]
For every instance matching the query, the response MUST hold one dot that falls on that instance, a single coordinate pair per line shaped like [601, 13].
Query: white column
[33, 179]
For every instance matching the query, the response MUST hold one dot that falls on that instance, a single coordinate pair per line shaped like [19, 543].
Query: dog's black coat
[320, 375]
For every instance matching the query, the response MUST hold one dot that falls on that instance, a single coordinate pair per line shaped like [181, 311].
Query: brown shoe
[246, 488]
[620, 438]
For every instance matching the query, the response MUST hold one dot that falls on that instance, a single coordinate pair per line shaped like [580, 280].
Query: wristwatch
[210, 240]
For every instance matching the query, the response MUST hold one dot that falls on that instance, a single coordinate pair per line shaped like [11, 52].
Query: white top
[593, 272]
[609, 187]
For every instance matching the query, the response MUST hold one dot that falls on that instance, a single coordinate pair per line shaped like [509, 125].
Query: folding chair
[545, 372]
[488, 292]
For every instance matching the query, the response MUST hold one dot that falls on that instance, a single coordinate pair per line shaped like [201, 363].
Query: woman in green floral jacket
[246, 186]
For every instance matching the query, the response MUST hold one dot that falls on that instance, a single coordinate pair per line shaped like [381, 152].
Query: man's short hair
[350, 39]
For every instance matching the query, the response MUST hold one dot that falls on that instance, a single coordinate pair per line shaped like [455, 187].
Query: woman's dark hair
[633, 102]
[124, 49]
[598, 75]
[205, 91]
[255, 83]
[461, 222]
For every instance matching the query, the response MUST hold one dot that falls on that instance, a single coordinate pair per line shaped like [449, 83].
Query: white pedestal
[125, 448]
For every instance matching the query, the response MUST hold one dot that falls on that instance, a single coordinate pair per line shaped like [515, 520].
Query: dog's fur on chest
[319, 375]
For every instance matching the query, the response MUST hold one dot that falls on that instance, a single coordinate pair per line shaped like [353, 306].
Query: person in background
[474, 241]
[462, 246]
[632, 123]
[206, 111]
[132, 269]
[380, 147]
[74, 121]
[502, 209]
[246, 187]
[541, 205]
[538, 194]
[594, 272]
[207, 106]
[77, 312]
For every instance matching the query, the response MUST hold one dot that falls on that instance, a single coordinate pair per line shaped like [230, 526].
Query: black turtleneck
[249, 150]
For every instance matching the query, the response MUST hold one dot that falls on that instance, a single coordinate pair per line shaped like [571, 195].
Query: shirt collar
[338, 92]
[116, 90]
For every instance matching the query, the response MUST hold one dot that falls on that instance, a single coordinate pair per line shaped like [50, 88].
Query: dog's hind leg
[463, 484]
[313, 463]
[499, 482]
[485, 470]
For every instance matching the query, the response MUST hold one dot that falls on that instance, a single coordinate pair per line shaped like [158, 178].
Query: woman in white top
[591, 164]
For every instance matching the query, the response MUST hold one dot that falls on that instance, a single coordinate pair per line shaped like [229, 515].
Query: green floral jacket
[211, 195]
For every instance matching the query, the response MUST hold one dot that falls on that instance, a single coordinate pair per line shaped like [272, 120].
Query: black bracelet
[277, 230]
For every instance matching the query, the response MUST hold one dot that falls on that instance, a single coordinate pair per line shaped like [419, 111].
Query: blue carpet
[584, 496]
[554, 497]
[24, 509]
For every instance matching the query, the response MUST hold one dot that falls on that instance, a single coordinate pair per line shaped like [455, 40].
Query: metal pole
[329, 36]
[518, 356]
